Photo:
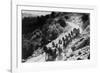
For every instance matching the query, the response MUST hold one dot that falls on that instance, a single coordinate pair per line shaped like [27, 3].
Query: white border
[17, 66]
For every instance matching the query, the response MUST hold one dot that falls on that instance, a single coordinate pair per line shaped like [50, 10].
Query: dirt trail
[40, 58]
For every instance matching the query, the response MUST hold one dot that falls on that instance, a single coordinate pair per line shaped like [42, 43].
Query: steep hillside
[59, 36]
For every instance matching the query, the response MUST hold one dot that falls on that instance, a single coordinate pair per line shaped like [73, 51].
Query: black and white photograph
[55, 36]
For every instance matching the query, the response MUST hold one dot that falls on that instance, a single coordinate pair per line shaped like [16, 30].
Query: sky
[32, 13]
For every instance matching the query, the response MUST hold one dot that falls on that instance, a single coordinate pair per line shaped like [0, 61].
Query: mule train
[56, 48]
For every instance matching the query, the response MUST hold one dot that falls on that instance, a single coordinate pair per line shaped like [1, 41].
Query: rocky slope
[61, 38]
